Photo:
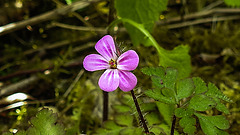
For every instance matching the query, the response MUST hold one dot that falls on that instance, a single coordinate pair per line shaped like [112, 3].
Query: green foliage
[126, 122]
[177, 58]
[166, 111]
[184, 88]
[139, 11]
[212, 125]
[18, 133]
[191, 96]
[214, 92]
[233, 3]
[188, 124]
[200, 85]
[201, 103]
[45, 123]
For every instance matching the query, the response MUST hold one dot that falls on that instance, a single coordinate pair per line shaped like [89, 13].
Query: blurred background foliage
[44, 61]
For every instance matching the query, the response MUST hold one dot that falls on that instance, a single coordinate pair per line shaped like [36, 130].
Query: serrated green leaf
[121, 108]
[156, 94]
[45, 123]
[152, 118]
[124, 120]
[187, 121]
[140, 11]
[188, 124]
[189, 130]
[162, 77]
[213, 91]
[185, 88]
[220, 106]
[166, 111]
[169, 93]
[210, 124]
[180, 112]
[201, 103]
[177, 58]
[170, 78]
[154, 71]
[200, 85]
[219, 121]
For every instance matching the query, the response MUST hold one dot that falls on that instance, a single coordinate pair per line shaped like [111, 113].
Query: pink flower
[118, 68]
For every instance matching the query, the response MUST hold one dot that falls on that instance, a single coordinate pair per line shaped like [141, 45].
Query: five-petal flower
[118, 68]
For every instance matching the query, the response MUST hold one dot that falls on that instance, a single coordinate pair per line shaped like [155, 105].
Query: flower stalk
[173, 125]
[105, 106]
[140, 113]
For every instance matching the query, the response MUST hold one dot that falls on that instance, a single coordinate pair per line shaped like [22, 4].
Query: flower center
[113, 64]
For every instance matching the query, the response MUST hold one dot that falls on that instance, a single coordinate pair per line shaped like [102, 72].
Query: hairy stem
[173, 125]
[140, 113]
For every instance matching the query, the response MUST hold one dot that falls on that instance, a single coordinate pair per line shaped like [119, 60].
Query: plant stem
[140, 113]
[173, 125]
[105, 106]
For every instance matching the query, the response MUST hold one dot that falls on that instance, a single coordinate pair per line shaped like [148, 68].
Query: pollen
[113, 64]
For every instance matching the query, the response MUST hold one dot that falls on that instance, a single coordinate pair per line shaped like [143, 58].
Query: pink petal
[128, 60]
[127, 80]
[95, 62]
[109, 80]
[106, 47]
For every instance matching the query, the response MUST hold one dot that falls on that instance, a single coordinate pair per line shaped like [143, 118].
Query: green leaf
[233, 3]
[110, 128]
[121, 108]
[187, 123]
[201, 103]
[156, 94]
[200, 85]
[111, 125]
[124, 120]
[170, 78]
[152, 118]
[45, 123]
[21, 133]
[180, 112]
[211, 125]
[166, 111]
[146, 107]
[177, 58]
[145, 12]
[161, 77]
[184, 88]
[214, 92]
[131, 131]
[154, 71]
[189, 129]
[220, 106]
[169, 93]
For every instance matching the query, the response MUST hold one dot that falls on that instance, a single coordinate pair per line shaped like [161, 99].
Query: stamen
[113, 64]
